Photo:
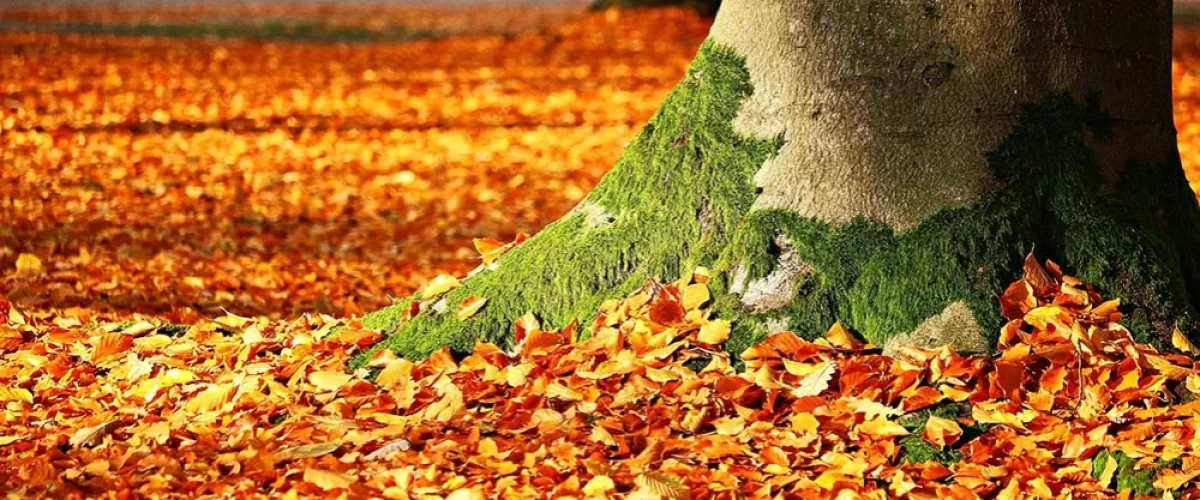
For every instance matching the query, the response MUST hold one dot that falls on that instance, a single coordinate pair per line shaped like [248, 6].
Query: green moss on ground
[671, 203]
[1127, 477]
[913, 447]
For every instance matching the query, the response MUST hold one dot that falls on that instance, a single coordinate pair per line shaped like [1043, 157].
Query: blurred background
[178, 159]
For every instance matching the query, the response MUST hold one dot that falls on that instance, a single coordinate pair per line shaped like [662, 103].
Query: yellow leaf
[882, 427]
[305, 451]
[469, 307]
[942, 432]
[441, 284]
[663, 485]
[840, 337]
[557, 390]
[805, 423]
[465, 494]
[601, 435]
[490, 249]
[817, 381]
[695, 295]
[139, 328]
[1173, 479]
[394, 372]
[15, 394]
[714, 332]
[329, 381]
[1181, 342]
[329, 480]
[210, 399]
[29, 263]
[599, 485]
[829, 479]
[1110, 469]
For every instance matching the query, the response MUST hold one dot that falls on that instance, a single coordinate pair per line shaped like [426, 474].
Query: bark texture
[889, 107]
[884, 163]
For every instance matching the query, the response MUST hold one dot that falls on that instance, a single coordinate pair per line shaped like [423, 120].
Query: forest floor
[187, 223]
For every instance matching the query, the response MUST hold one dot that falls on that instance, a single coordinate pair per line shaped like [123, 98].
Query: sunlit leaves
[28, 263]
[624, 412]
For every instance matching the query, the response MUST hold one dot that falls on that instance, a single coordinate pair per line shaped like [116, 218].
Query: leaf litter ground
[149, 195]
[646, 404]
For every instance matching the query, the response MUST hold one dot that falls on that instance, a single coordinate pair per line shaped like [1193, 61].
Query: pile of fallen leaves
[184, 177]
[646, 406]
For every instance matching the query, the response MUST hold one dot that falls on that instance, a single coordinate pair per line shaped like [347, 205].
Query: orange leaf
[110, 346]
[941, 432]
[840, 337]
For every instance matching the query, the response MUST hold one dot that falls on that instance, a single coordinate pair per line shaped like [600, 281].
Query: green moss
[173, 330]
[680, 196]
[1127, 477]
[672, 202]
[1125, 241]
[913, 447]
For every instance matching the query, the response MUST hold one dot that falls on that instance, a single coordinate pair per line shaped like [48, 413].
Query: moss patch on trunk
[672, 202]
[681, 194]
[1134, 242]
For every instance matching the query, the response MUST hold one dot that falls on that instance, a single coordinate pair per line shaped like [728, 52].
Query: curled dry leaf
[306, 451]
[388, 449]
[1181, 342]
[91, 436]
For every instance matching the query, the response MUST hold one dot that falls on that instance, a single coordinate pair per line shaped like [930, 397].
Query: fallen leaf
[91, 436]
[663, 485]
[469, 307]
[28, 263]
[714, 332]
[816, 382]
[388, 449]
[210, 399]
[941, 432]
[305, 451]
[329, 480]
[111, 346]
[599, 485]
[1181, 342]
[441, 284]
[329, 381]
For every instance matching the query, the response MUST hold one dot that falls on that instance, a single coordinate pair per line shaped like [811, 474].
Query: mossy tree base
[681, 197]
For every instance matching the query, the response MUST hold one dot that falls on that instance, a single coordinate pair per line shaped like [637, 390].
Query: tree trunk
[885, 163]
